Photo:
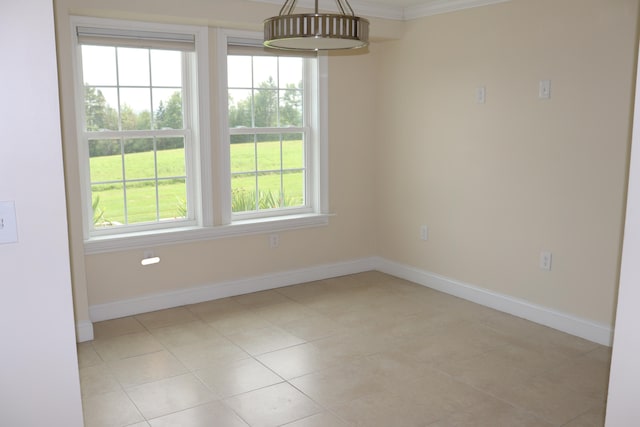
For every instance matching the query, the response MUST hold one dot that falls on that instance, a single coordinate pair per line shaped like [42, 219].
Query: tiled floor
[367, 349]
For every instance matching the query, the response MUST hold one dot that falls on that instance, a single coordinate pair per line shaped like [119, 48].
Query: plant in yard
[98, 213]
[242, 200]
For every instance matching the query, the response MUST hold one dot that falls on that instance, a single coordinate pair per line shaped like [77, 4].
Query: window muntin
[137, 136]
[269, 133]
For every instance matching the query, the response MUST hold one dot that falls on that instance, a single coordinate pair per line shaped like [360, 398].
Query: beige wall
[497, 183]
[184, 266]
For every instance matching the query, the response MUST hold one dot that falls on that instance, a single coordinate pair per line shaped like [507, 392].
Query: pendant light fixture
[316, 31]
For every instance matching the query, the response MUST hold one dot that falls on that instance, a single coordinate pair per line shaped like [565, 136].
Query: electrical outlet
[545, 260]
[274, 241]
[424, 232]
[544, 89]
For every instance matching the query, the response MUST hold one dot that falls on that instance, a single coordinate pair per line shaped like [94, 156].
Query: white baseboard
[84, 331]
[213, 291]
[592, 331]
[583, 328]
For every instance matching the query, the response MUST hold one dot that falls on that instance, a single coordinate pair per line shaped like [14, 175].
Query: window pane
[265, 71]
[167, 111]
[292, 151]
[269, 153]
[243, 193]
[265, 108]
[239, 73]
[291, 107]
[135, 107]
[108, 205]
[269, 189]
[166, 68]
[240, 108]
[170, 157]
[133, 66]
[293, 186]
[100, 108]
[141, 202]
[172, 197]
[139, 159]
[243, 156]
[105, 160]
[290, 72]
[99, 65]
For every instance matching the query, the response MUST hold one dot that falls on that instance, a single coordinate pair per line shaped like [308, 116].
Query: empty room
[422, 214]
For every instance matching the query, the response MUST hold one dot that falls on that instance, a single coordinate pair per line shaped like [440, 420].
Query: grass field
[107, 188]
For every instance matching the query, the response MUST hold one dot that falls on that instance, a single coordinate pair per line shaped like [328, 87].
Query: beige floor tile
[109, 410]
[585, 375]
[237, 377]
[305, 292]
[485, 372]
[383, 410]
[170, 395]
[284, 312]
[300, 360]
[548, 400]
[338, 385]
[437, 392]
[261, 299]
[202, 354]
[214, 306]
[87, 355]
[185, 333]
[552, 341]
[528, 358]
[116, 327]
[272, 406]
[491, 413]
[458, 341]
[259, 341]
[322, 419]
[512, 325]
[97, 379]
[312, 327]
[161, 318]
[146, 368]
[123, 346]
[236, 321]
[213, 414]
[142, 424]
[395, 364]
[594, 417]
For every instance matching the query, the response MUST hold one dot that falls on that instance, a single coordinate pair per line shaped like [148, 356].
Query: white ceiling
[396, 9]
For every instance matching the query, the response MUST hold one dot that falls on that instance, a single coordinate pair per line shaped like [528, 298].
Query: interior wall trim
[145, 304]
[584, 328]
[84, 331]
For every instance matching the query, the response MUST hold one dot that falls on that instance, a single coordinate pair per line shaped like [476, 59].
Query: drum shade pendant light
[316, 31]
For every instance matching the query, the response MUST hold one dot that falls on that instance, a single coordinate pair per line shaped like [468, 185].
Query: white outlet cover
[8, 224]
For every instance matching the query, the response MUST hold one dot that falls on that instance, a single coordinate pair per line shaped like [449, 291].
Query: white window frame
[213, 190]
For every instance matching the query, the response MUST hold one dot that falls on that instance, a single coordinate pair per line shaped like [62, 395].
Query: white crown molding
[436, 7]
[426, 8]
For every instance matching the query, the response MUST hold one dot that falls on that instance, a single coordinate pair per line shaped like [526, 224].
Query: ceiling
[396, 9]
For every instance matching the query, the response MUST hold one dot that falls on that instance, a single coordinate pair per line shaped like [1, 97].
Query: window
[138, 128]
[147, 143]
[272, 130]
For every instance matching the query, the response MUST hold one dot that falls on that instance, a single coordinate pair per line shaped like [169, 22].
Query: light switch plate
[8, 225]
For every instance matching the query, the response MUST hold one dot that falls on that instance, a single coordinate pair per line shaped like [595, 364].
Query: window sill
[125, 241]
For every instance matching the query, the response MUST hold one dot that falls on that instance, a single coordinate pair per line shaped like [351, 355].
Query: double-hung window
[138, 126]
[273, 123]
[156, 167]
